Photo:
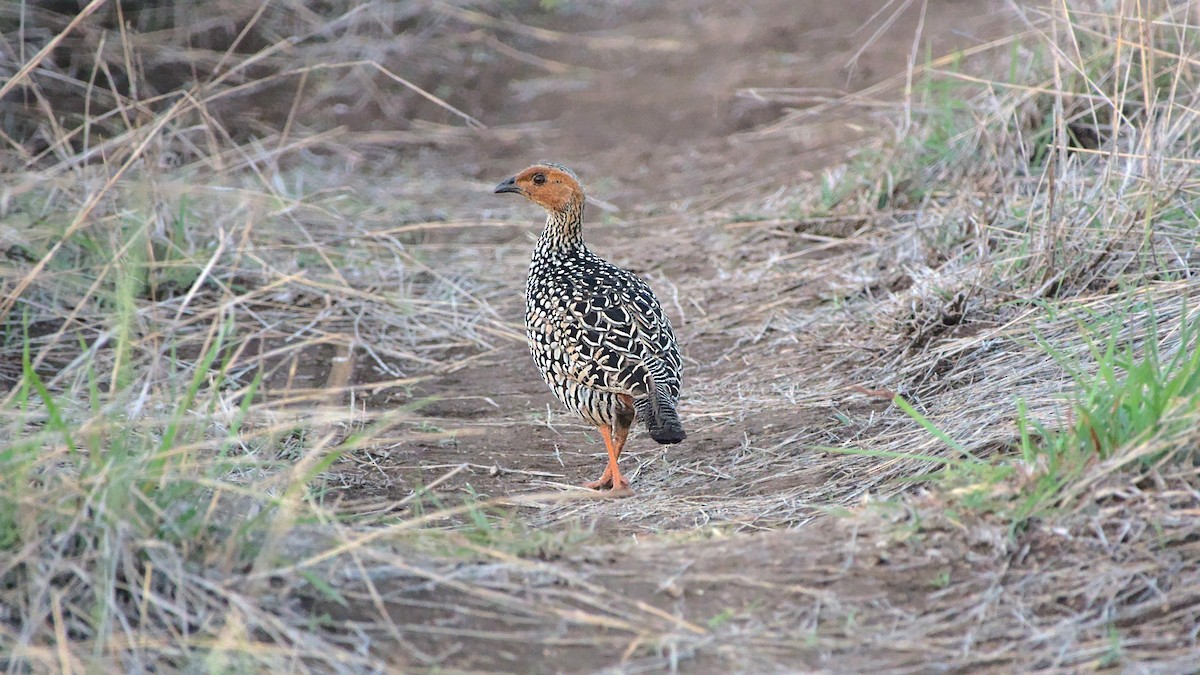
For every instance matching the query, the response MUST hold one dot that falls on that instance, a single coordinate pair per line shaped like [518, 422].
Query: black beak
[509, 185]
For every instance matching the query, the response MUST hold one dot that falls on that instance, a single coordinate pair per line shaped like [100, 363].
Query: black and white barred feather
[598, 334]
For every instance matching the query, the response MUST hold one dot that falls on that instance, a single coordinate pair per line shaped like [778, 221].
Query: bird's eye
[539, 179]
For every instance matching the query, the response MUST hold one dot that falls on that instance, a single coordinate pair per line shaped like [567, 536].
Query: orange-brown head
[552, 186]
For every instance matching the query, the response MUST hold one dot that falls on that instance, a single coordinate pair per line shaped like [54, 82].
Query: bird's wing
[623, 337]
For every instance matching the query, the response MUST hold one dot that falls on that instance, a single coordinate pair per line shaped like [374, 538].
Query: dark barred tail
[669, 433]
[663, 422]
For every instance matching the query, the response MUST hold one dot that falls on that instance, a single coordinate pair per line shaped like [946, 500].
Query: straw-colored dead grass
[181, 316]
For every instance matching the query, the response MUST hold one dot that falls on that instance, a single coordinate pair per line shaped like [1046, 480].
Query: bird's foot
[607, 483]
[602, 484]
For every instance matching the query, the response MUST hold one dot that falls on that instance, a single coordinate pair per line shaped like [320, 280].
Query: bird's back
[596, 332]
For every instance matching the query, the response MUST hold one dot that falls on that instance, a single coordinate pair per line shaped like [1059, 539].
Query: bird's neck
[564, 229]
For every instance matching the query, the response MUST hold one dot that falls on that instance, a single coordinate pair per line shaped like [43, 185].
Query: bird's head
[552, 186]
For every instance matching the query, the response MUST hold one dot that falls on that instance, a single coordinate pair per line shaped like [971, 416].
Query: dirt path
[673, 141]
[697, 179]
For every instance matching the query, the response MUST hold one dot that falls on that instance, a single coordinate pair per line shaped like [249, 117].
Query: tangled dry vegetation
[185, 302]
[174, 266]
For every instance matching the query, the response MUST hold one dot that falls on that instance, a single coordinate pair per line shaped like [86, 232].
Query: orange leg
[612, 478]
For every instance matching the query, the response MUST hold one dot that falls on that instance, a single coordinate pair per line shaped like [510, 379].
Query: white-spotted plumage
[598, 335]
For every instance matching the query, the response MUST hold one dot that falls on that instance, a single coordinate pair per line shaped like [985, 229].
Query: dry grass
[197, 328]
[181, 315]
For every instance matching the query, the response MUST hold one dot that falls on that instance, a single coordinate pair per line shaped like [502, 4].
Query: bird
[597, 333]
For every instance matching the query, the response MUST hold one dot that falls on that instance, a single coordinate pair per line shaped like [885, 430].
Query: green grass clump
[1132, 395]
[1133, 404]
